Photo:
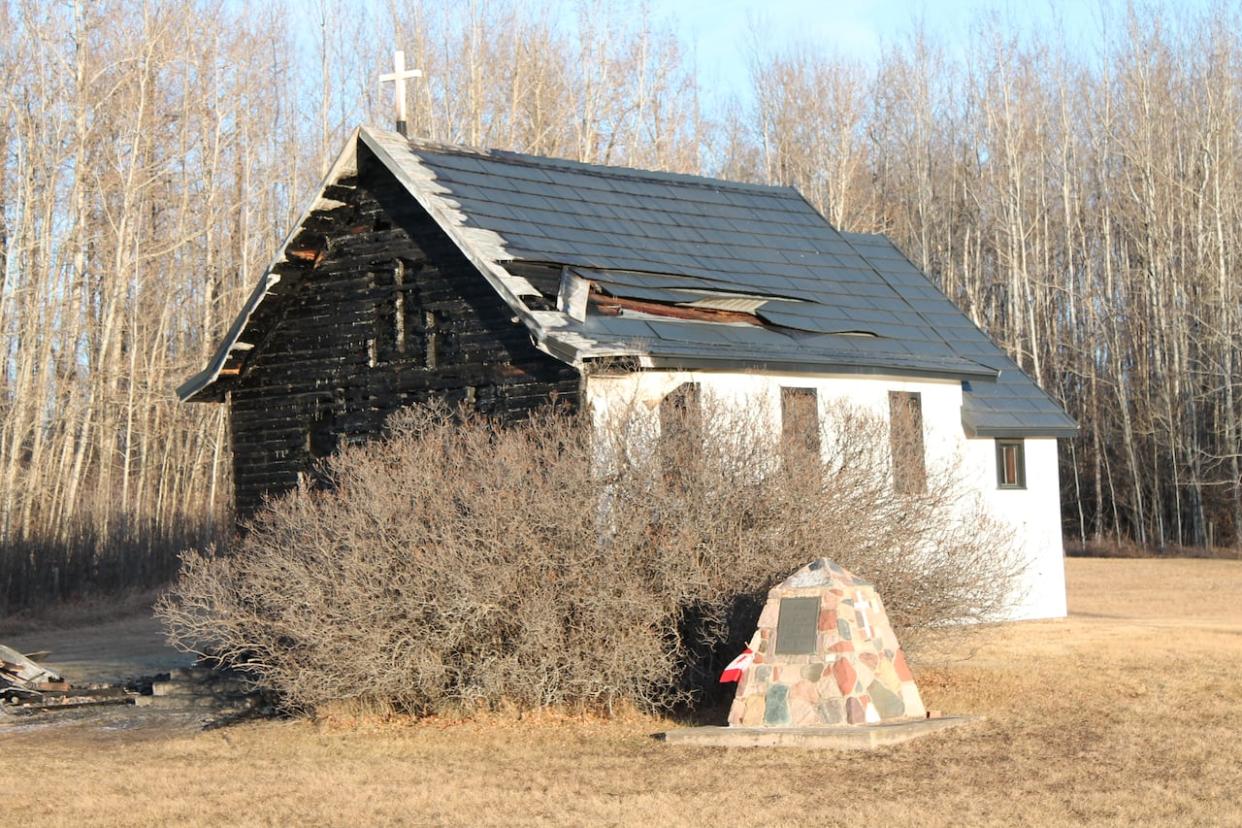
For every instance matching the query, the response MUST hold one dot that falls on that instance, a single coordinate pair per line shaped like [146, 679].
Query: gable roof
[784, 289]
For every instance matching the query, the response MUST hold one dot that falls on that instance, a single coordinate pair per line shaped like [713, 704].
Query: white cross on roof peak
[398, 77]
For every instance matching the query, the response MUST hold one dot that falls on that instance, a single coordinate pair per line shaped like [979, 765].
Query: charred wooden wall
[378, 310]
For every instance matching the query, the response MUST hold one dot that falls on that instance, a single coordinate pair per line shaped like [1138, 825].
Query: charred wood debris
[28, 687]
[221, 695]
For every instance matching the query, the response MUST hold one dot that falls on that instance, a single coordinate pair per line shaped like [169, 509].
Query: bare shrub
[460, 564]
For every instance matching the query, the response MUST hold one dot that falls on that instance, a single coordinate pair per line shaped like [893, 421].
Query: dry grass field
[1129, 712]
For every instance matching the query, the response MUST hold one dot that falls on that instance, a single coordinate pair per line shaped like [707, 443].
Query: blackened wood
[326, 369]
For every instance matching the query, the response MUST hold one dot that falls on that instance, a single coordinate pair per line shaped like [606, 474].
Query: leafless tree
[1080, 204]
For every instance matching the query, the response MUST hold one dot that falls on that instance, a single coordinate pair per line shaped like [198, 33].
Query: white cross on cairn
[861, 605]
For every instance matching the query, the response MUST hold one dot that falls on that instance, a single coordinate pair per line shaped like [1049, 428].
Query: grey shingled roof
[832, 302]
[652, 235]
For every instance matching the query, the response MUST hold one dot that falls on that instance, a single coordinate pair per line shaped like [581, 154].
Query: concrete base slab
[854, 737]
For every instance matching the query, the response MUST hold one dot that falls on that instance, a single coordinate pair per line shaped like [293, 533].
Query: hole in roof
[718, 310]
[672, 297]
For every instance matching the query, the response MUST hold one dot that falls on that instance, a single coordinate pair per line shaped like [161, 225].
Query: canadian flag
[734, 671]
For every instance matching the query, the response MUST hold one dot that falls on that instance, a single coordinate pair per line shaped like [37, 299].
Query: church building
[504, 281]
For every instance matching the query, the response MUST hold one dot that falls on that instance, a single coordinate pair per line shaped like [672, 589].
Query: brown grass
[1128, 712]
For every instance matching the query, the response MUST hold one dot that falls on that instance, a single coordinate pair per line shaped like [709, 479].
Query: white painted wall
[1033, 512]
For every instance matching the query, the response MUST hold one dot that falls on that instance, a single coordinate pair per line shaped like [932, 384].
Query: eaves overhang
[807, 364]
[1067, 431]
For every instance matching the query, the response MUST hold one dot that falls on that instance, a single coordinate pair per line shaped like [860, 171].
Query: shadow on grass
[90, 609]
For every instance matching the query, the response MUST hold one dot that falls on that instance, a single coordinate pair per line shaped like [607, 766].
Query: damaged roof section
[781, 314]
[672, 324]
[684, 271]
[801, 292]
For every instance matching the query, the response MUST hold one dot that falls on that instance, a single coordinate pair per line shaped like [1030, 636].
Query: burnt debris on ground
[220, 694]
[225, 694]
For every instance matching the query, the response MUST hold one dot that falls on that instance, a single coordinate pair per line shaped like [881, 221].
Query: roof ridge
[587, 168]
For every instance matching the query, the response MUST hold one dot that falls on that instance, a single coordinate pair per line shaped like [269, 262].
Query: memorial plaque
[796, 626]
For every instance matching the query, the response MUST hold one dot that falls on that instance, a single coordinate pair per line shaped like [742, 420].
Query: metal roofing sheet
[1013, 405]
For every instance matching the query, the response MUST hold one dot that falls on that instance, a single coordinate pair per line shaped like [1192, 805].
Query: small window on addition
[1010, 464]
[681, 410]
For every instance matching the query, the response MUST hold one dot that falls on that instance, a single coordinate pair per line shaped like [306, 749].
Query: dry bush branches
[460, 564]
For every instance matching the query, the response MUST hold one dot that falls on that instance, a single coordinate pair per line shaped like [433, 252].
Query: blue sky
[722, 34]
[720, 31]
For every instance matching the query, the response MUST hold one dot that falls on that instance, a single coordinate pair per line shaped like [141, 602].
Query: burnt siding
[327, 366]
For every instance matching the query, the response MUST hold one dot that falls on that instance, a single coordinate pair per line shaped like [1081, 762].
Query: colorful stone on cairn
[824, 655]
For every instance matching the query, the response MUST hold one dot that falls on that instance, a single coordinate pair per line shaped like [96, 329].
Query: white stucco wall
[1033, 512]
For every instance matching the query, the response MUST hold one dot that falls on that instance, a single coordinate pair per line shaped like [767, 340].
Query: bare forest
[1084, 206]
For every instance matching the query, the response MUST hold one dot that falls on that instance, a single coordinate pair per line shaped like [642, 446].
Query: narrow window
[681, 414]
[398, 307]
[800, 424]
[1010, 464]
[321, 436]
[431, 339]
[322, 439]
[906, 442]
[390, 323]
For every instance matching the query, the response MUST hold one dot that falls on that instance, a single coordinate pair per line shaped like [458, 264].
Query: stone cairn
[824, 655]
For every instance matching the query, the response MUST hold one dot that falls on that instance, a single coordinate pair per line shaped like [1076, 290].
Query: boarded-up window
[800, 425]
[1010, 464]
[906, 442]
[681, 427]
